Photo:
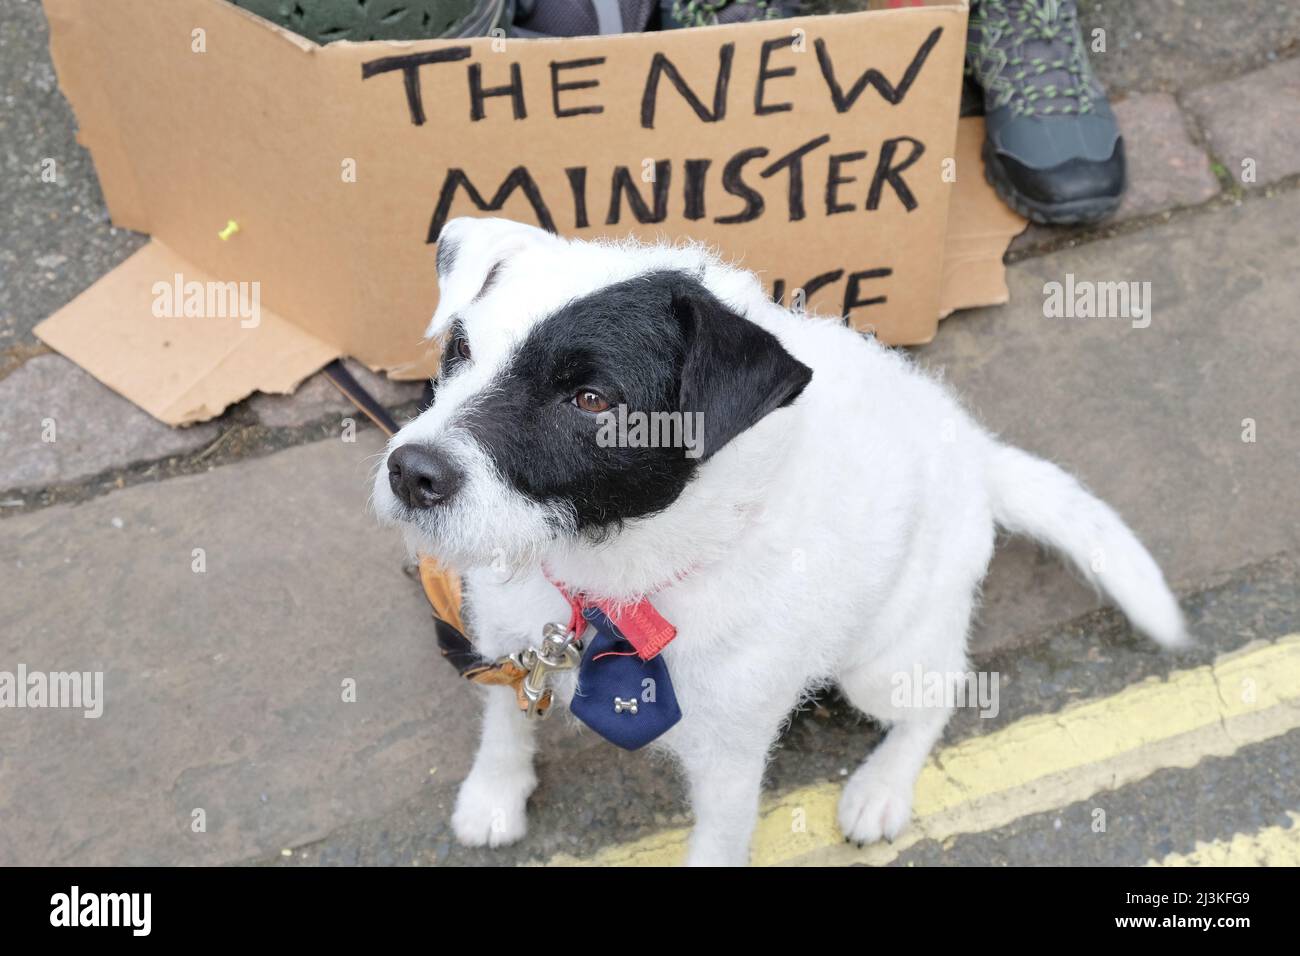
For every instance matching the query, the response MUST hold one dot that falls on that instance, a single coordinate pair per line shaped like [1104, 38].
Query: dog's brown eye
[590, 401]
[462, 348]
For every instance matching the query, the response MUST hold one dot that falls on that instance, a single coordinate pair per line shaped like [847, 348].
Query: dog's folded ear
[471, 255]
[734, 373]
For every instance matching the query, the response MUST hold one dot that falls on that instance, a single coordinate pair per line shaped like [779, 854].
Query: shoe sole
[1076, 212]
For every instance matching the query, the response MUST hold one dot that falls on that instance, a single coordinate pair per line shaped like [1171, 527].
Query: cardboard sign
[819, 152]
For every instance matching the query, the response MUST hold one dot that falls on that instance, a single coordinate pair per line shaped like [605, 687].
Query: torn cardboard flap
[980, 227]
[811, 149]
[130, 330]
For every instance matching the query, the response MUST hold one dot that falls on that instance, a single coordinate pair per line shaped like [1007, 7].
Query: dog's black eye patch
[655, 345]
[446, 257]
[456, 352]
[735, 373]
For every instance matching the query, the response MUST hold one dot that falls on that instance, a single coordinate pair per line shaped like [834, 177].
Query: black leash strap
[455, 646]
[352, 390]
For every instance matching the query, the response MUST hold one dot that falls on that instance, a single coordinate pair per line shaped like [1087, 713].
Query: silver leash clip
[561, 650]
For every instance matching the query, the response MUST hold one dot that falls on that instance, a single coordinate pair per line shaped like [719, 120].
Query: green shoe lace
[1029, 54]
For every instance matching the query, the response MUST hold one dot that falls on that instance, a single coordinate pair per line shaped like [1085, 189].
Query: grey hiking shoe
[1052, 150]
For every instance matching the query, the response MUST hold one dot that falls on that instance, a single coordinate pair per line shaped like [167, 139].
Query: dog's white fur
[841, 540]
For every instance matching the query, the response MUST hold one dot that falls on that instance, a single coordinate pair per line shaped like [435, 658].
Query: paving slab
[58, 424]
[57, 236]
[1174, 811]
[1166, 170]
[317, 398]
[1254, 120]
[387, 391]
[1178, 44]
[223, 690]
[312, 401]
[589, 800]
[1152, 419]
[1170, 45]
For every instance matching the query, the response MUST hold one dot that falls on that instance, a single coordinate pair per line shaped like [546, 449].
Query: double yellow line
[1048, 761]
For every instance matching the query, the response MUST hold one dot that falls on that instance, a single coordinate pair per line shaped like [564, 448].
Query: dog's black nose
[422, 476]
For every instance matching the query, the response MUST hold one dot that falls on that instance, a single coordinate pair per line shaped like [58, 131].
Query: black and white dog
[831, 524]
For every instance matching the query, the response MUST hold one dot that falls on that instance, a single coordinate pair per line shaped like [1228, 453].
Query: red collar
[645, 628]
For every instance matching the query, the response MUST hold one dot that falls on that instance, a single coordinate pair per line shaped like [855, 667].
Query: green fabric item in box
[325, 21]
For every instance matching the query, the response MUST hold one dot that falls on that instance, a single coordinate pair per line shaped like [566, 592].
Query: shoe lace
[1002, 60]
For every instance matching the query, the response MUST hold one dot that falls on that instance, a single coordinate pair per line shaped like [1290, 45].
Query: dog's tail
[1035, 498]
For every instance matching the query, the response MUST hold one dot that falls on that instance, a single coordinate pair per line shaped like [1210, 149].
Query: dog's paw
[491, 809]
[873, 809]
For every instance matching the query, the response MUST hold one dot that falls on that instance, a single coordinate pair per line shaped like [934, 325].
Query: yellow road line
[1272, 846]
[1036, 763]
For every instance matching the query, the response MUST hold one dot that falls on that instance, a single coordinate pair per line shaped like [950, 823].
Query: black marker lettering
[578, 186]
[817, 283]
[733, 183]
[557, 87]
[891, 94]
[410, 65]
[834, 181]
[694, 187]
[622, 185]
[765, 74]
[887, 172]
[477, 94]
[852, 289]
[794, 162]
[661, 65]
[519, 178]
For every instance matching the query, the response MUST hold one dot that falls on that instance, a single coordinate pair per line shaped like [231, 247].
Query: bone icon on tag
[621, 705]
